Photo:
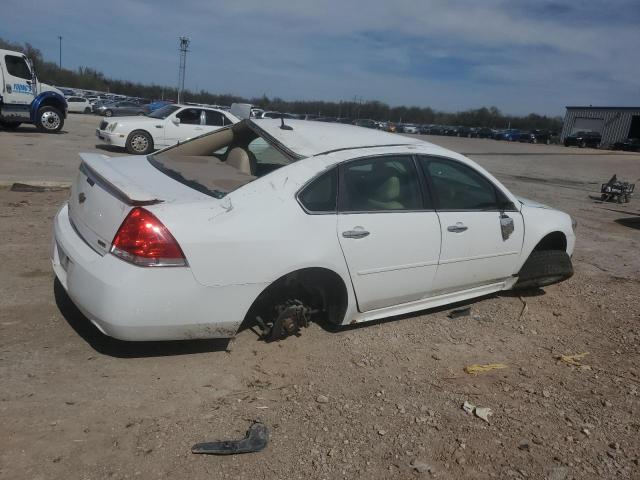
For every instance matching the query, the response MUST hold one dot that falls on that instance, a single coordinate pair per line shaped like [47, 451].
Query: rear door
[482, 232]
[388, 232]
[190, 125]
[214, 120]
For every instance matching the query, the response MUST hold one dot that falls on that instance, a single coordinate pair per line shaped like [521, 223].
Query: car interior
[221, 161]
[381, 184]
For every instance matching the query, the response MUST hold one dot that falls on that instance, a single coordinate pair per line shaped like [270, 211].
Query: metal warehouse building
[613, 123]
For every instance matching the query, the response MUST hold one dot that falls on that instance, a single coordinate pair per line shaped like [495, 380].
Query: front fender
[47, 98]
[540, 222]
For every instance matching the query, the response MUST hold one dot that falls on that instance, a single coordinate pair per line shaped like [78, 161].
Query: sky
[521, 56]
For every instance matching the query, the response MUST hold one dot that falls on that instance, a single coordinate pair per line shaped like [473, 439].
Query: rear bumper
[133, 303]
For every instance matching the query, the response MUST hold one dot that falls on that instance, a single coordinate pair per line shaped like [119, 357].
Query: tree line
[88, 78]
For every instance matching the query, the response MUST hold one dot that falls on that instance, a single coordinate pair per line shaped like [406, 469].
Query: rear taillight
[143, 240]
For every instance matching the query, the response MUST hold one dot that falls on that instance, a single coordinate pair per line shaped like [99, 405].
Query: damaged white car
[279, 224]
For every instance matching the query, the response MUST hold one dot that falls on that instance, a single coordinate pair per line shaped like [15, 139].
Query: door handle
[457, 228]
[355, 233]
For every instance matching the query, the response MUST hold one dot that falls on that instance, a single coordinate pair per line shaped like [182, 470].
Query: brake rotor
[290, 317]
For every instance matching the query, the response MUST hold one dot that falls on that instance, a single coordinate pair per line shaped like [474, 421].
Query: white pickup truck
[24, 99]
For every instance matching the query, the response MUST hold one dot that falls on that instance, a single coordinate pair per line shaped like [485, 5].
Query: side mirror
[176, 121]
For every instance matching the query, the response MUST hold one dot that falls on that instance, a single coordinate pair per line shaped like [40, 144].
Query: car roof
[308, 138]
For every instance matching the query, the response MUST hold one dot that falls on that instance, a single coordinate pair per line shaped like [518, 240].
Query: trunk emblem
[82, 197]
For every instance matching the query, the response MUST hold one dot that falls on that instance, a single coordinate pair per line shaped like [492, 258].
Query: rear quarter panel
[257, 233]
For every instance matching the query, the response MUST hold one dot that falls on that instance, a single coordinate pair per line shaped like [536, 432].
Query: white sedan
[280, 222]
[168, 125]
[79, 105]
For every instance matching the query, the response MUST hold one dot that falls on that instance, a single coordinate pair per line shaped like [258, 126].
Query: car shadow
[333, 328]
[633, 222]
[121, 349]
[109, 148]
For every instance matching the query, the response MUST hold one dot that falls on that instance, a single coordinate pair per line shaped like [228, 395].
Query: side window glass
[17, 66]
[459, 187]
[321, 194]
[215, 119]
[189, 116]
[380, 184]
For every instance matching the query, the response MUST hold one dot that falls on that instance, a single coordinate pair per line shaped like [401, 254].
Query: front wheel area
[543, 268]
[49, 120]
[139, 142]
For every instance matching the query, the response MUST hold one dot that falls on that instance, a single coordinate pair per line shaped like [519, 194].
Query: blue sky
[521, 56]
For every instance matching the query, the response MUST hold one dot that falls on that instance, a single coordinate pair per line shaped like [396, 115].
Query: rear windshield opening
[220, 162]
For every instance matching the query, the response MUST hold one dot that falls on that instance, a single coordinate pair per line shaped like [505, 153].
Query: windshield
[222, 161]
[163, 112]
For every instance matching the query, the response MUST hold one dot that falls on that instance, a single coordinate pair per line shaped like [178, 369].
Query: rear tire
[87, 110]
[544, 267]
[139, 142]
[49, 120]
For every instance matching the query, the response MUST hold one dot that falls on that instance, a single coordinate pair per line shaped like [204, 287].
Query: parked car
[249, 224]
[510, 135]
[410, 128]
[466, 132]
[120, 109]
[536, 136]
[628, 145]
[99, 103]
[271, 114]
[163, 127]
[583, 139]
[156, 104]
[78, 105]
[435, 130]
[366, 123]
[484, 133]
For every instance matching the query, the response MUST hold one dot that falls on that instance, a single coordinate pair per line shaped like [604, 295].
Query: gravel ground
[382, 400]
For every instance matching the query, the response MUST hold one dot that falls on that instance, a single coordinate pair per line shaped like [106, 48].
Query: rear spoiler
[99, 169]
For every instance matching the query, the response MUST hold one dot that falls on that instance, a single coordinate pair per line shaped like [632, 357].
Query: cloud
[518, 55]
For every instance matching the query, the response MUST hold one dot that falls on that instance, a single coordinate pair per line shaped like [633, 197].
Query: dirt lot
[381, 400]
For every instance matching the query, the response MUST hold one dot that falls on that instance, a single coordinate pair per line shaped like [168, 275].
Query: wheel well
[319, 288]
[52, 102]
[552, 241]
[137, 130]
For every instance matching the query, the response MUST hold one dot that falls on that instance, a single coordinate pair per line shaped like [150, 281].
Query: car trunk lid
[106, 189]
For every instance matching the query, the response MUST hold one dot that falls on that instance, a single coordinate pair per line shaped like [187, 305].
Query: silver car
[120, 109]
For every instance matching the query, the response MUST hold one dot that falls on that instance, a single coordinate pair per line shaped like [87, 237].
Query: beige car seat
[240, 159]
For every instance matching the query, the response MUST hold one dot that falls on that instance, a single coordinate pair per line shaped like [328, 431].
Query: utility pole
[184, 48]
[60, 51]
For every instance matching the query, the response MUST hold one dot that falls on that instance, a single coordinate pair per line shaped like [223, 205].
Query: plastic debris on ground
[255, 440]
[482, 413]
[573, 359]
[476, 369]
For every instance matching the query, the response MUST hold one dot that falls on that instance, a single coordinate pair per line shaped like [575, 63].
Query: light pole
[60, 51]
[184, 48]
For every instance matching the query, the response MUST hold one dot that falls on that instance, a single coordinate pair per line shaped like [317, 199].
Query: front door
[18, 88]
[482, 232]
[389, 235]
